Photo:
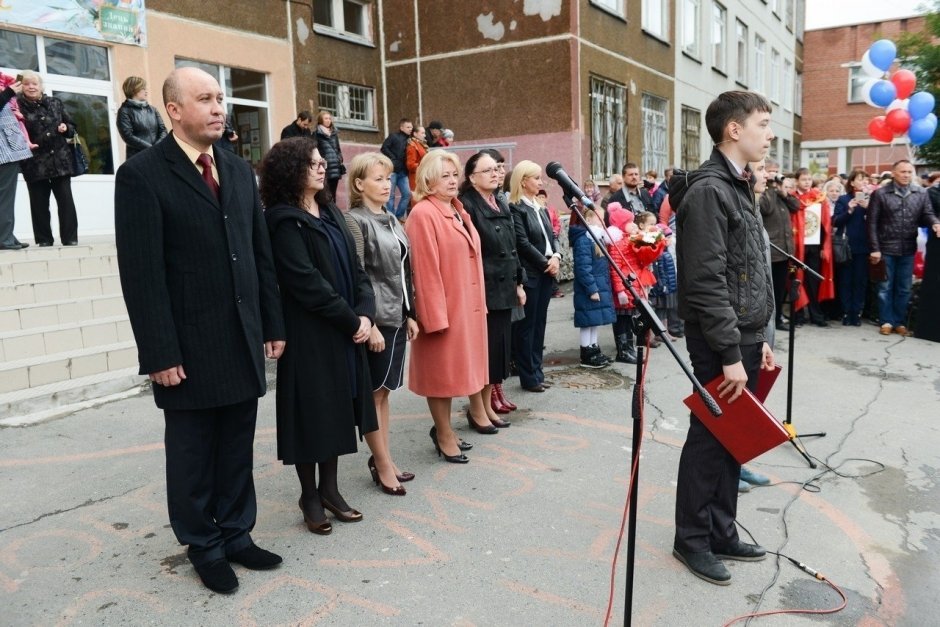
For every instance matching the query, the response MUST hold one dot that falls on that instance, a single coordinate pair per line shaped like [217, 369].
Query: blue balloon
[920, 105]
[922, 130]
[883, 93]
[882, 54]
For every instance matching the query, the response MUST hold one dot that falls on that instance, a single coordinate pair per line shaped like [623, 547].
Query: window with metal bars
[655, 133]
[691, 138]
[608, 127]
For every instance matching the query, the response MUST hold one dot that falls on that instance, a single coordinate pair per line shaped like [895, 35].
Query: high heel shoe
[500, 423]
[322, 528]
[405, 476]
[497, 404]
[453, 459]
[502, 397]
[489, 429]
[349, 515]
[396, 491]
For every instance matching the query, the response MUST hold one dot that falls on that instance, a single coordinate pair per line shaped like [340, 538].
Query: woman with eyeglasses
[323, 386]
[449, 356]
[502, 278]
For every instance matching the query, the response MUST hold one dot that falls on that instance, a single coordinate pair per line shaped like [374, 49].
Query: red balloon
[898, 120]
[879, 131]
[905, 81]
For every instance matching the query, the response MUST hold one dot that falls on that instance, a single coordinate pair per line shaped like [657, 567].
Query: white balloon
[866, 91]
[869, 68]
[897, 104]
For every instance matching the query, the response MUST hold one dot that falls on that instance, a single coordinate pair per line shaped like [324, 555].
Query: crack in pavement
[70, 509]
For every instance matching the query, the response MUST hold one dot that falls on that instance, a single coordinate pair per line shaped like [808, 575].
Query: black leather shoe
[705, 566]
[218, 576]
[16, 246]
[538, 387]
[43, 244]
[781, 326]
[820, 323]
[742, 552]
[72, 243]
[255, 558]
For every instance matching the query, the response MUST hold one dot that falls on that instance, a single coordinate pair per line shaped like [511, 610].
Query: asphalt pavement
[524, 534]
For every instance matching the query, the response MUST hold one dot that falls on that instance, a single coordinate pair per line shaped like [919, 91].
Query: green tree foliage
[922, 52]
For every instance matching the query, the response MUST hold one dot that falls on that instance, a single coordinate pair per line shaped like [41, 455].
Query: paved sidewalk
[522, 535]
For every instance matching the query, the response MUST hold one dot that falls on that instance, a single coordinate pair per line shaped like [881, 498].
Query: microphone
[555, 171]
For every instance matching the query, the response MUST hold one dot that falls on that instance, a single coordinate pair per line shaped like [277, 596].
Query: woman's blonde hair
[833, 182]
[430, 171]
[28, 74]
[359, 169]
[523, 170]
[132, 85]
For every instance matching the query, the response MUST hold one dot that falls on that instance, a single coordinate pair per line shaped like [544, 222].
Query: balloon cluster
[905, 111]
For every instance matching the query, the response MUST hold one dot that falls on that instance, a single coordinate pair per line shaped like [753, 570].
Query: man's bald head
[193, 100]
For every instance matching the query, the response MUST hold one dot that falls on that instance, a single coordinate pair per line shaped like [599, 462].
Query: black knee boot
[626, 351]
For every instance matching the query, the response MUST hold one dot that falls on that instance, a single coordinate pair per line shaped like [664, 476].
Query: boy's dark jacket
[725, 289]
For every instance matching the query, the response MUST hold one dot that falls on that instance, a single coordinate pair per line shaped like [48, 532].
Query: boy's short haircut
[732, 106]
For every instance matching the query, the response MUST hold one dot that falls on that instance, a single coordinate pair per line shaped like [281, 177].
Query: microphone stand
[794, 266]
[646, 319]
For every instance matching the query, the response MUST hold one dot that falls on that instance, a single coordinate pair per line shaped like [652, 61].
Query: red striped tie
[206, 162]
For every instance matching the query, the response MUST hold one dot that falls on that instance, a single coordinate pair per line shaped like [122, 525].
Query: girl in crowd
[502, 276]
[383, 250]
[849, 220]
[538, 250]
[593, 301]
[449, 356]
[49, 171]
[138, 122]
[328, 145]
[322, 378]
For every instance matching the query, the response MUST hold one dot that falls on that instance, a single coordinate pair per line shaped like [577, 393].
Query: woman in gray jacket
[383, 250]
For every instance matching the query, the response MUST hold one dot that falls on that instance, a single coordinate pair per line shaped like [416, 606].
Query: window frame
[339, 31]
[608, 118]
[343, 98]
[740, 28]
[760, 64]
[690, 138]
[692, 48]
[614, 7]
[53, 83]
[655, 149]
[775, 59]
[798, 93]
[660, 30]
[719, 48]
[855, 74]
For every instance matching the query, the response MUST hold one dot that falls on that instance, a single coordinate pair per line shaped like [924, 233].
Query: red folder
[745, 428]
[765, 381]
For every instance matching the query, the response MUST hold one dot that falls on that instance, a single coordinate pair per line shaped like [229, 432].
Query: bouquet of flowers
[648, 245]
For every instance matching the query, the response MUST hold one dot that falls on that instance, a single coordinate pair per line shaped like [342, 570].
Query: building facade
[738, 44]
[836, 131]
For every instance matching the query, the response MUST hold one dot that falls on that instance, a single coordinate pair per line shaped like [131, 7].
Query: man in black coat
[394, 148]
[301, 127]
[726, 310]
[199, 283]
[633, 196]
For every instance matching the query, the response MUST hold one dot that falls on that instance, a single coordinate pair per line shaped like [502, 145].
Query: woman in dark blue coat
[852, 277]
[593, 299]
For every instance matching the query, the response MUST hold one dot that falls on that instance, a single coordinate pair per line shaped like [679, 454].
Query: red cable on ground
[626, 505]
[797, 611]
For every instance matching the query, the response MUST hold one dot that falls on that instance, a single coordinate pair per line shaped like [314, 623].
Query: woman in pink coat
[448, 358]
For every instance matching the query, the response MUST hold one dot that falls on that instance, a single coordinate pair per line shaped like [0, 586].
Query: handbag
[841, 252]
[79, 160]
[878, 272]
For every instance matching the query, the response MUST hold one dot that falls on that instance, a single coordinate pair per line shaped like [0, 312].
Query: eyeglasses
[486, 171]
[316, 165]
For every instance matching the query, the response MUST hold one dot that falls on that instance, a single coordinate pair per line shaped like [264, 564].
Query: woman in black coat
[328, 145]
[49, 171]
[323, 387]
[502, 279]
[138, 122]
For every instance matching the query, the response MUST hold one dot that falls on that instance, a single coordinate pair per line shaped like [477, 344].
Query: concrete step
[60, 398]
[23, 271]
[21, 317]
[38, 371]
[63, 338]
[55, 290]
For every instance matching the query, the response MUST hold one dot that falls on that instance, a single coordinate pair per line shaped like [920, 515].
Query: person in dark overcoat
[327, 136]
[201, 293]
[49, 171]
[502, 278]
[138, 122]
[324, 391]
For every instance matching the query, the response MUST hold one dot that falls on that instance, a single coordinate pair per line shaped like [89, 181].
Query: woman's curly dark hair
[284, 173]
